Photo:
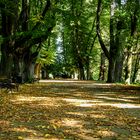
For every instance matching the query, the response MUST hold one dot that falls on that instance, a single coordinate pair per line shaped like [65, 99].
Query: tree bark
[37, 70]
[98, 30]
[102, 67]
[20, 44]
[128, 67]
[134, 18]
[81, 73]
[6, 46]
[112, 51]
[136, 68]
[119, 68]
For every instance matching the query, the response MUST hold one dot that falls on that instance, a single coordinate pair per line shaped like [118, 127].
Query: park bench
[36, 80]
[8, 84]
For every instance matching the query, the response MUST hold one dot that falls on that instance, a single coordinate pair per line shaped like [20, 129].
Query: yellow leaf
[47, 135]
[20, 138]
[43, 126]
[34, 133]
[54, 127]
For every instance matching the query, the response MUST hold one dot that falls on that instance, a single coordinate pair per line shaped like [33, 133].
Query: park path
[71, 110]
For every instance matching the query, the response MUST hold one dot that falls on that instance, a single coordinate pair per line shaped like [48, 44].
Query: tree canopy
[82, 39]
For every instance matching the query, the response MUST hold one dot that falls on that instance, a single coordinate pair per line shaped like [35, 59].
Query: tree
[85, 29]
[102, 67]
[134, 15]
[81, 37]
[22, 31]
[117, 28]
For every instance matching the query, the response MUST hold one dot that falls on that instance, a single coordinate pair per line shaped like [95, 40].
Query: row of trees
[112, 25]
[98, 39]
[124, 39]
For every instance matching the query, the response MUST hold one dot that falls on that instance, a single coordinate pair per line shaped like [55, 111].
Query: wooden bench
[8, 84]
[35, 80]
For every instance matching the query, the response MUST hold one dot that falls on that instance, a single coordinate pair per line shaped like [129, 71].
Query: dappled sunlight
[37, 102]
[125, 105]
[131, 97]
[103, 94]
[119, 105]
[111, 98]
[106, 133]
[29, 98]
[4, 123]
[85, 105]
[41, 138]
[91, 103]
[81, 102]
[78, 94]
[72, 100]
[34, 138]
[62, 93]
[83, 82]
[71, 123]
[69, 110]
[98, 116]
[23, 129]
[76, 113]
[59, 81]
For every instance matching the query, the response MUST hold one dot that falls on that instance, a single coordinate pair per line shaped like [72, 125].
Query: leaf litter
[70, 111]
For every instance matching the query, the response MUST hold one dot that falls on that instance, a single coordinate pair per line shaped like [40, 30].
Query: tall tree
[24, 29]
[134, 16]
[116, 29]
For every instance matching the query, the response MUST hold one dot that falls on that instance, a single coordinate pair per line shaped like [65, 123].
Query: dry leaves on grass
[74, 110]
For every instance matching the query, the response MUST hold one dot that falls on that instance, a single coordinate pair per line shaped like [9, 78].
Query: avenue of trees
[94, 39]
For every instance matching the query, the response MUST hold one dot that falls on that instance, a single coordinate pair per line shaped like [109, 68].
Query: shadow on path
[71, 110]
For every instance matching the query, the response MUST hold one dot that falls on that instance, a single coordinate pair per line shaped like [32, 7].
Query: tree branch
[41, 38]
[98, 30]
[22, 39]
[47, 7]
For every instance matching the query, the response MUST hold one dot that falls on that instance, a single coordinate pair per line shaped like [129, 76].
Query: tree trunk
[102, 67]
[128, 67]
[6, 58]
[136, 68]
[28, 72]
[119, 68]
[3, 63]
[88, 72]
[24, 66]
[119, 55]
[25, 15]
[137, 80]
[111, 54]
[6, 65]
[37, 70]
[134, 18]
[112, 60]
[81, 72]
[112, 51]
[111, 71]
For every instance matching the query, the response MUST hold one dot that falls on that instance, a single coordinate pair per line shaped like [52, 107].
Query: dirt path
[70, 110]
